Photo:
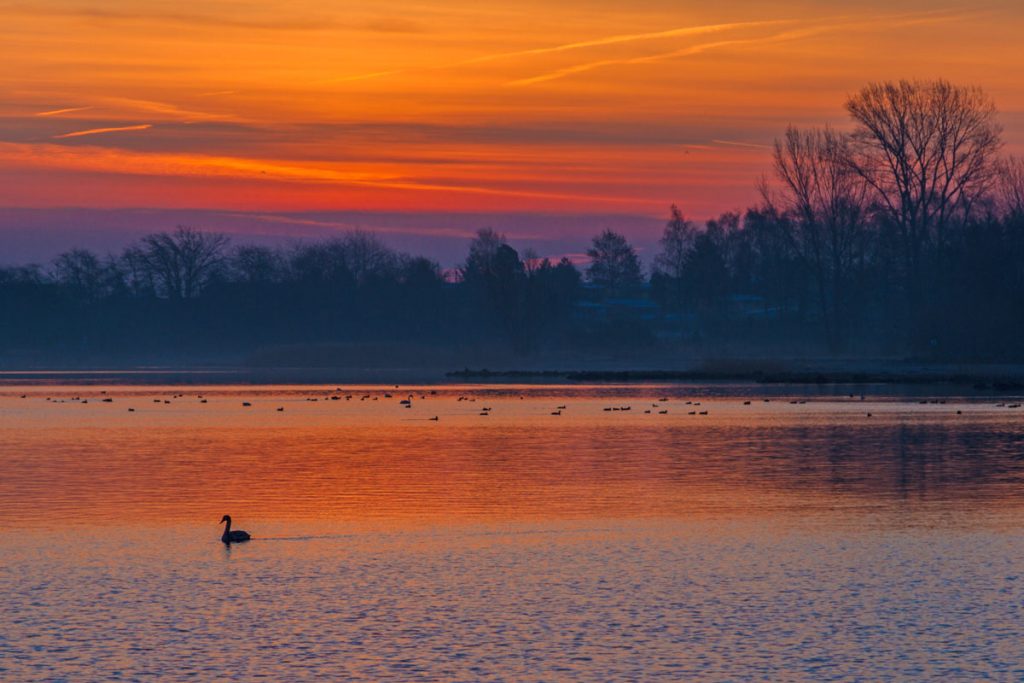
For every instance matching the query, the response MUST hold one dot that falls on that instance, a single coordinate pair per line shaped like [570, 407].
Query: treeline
[172, 293]
[904, 236]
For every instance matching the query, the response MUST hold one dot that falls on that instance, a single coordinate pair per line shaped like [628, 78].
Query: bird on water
[229, 536]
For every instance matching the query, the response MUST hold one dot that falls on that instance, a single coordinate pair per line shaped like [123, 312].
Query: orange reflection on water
[161, 454]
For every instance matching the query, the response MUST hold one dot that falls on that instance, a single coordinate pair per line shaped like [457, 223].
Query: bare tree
[83, 271]
[135, 272]
[254, 264]
[181, 263]
[676, 244]
[532, 262]
[614, 264]
[366, 256]
[1011, 186]
[928, 150]
[827, 200]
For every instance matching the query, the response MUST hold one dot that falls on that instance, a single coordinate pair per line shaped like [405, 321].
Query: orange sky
[448, 106]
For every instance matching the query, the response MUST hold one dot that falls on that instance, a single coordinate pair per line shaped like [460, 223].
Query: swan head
[225, 518]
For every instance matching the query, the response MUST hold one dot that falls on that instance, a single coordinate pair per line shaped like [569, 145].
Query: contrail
[736, 143]
[58, 112]
[595, 42]
[794, 34]
[590, 66]
[628, 38]
[97, 131]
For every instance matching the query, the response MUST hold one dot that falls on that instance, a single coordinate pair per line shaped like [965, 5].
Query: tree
[366, 257]
[496, 279]
[670, 265]
[321, 265]
[776, 272]
[82, 271]
[256, 265]
[614, 265]
[1011, 187]
[482, 252]
[420, 273]
[181, 263]
[927, 150]
[827, 200]
[707, 270]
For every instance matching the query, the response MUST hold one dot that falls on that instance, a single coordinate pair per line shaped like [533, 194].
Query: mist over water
[789, 538]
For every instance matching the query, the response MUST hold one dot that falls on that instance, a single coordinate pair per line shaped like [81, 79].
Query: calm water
[790, 539]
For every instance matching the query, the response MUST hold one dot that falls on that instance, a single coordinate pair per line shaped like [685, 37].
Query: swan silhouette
[229, 536]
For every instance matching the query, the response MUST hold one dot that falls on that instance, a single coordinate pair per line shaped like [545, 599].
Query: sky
[423, 120]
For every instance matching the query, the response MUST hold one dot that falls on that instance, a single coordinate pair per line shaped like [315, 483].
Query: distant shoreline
[976, 381]
[979, 378]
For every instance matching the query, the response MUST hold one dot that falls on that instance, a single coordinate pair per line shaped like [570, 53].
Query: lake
[528, 533]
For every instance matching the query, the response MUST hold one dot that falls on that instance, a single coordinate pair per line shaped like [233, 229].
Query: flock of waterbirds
[408, 399]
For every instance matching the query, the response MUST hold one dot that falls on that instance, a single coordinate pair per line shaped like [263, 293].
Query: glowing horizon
[580, 108]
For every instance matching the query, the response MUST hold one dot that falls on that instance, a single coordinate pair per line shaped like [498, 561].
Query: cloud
[58, 112]
[647, 59]
[578, 45]
[393, 25]
[737, 143]
[628, 38]
[98, 131]
[180, 18]
[365, 77]
[354, 224]
[784, 36]
[160, 108]
[107, 160]
[230, 19]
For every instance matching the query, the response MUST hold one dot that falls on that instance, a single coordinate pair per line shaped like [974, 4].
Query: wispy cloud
[628, 38]
[647, 59]
[99, 131]
[167, 109]
[179, 18]
[836, 24]
[602, 41]
[738, 143]
[108, 160]
[58, 112]
[366, 77]
[426, 231]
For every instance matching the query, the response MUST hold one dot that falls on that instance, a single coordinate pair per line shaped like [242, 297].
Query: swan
[230, 536]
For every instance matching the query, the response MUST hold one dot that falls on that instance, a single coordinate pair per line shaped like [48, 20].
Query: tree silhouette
[927, 150]
[181, 263]
[827, 200]
[614, 265]
[668, 274]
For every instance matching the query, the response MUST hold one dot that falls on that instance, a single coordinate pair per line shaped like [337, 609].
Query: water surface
[808, 536]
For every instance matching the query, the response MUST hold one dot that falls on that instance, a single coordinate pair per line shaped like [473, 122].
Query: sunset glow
[567, 108]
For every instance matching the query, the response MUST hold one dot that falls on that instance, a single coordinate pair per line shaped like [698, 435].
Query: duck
[229, 536]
